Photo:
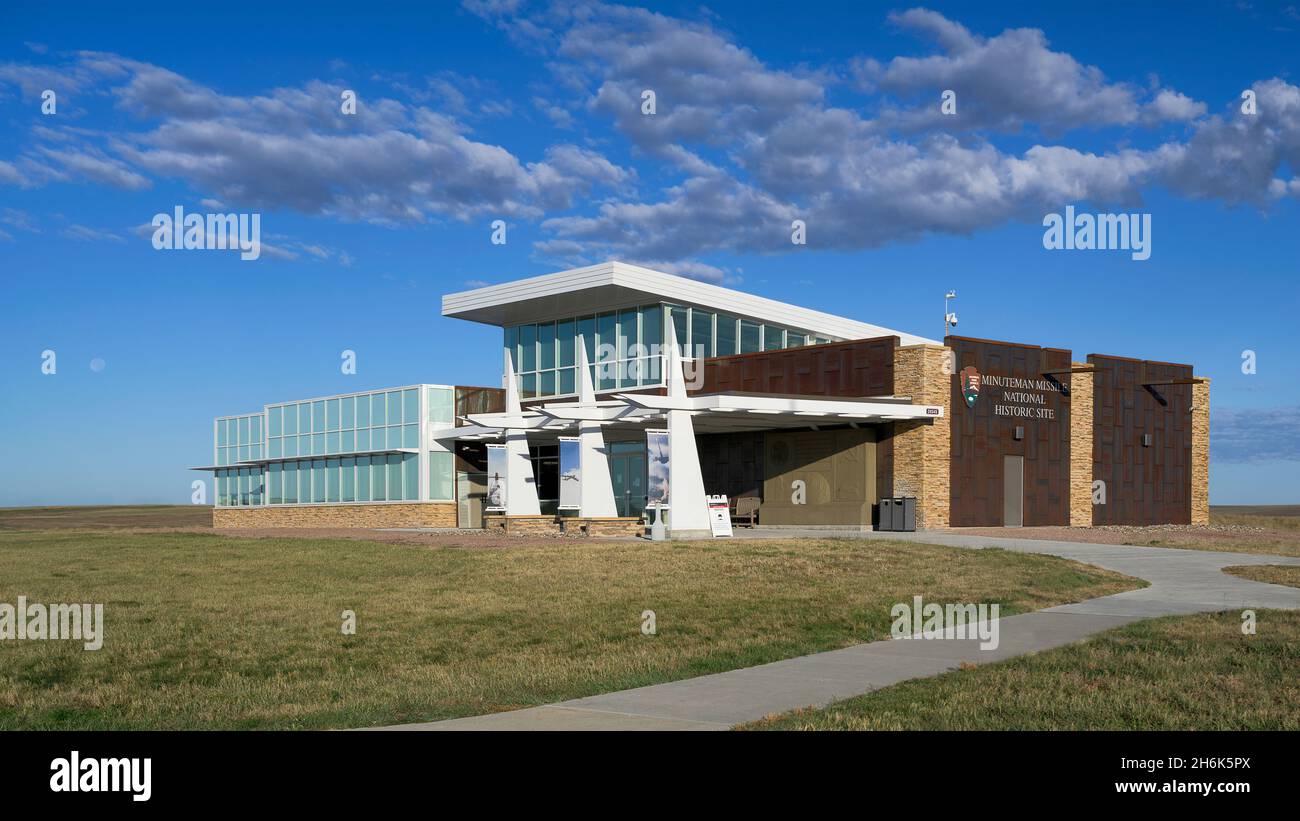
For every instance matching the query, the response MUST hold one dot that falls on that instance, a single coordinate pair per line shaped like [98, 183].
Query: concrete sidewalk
[1182, 582]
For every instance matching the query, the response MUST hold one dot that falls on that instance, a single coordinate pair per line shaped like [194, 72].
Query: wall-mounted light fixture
[1019, 433]
[1146, 440]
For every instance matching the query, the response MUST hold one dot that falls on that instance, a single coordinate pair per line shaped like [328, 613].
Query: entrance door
[1013, 491]
[627, 471]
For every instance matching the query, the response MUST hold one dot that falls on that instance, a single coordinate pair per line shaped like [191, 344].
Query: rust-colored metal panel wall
[1144, 485]
[983, 434]
[732, 463]
[863, 367]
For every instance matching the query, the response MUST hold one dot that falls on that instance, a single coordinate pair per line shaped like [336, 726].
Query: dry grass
[1179, 673]
[105, 517]
[205, 631]
[1288, 575]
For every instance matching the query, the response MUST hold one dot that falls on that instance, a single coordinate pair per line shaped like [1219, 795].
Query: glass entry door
[627, 468]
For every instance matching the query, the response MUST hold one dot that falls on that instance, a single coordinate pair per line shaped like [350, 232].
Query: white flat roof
[619, 285]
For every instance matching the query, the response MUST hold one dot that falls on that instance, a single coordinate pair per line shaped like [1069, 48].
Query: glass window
[726, 335]
[348, 469]
[332, 480]
[564, 347]
[349, 441]
[244, 435]
[511, 344]
[395, 477]
[410, 436]
[331, 414]
[545, 346]
[628, 335]
[304, 417]
[587, 330]
[290, 446]
[701, 333]
[273, 422]
[607, 337]
[773, 338]
[652, 328]
[394, 407]
[318, 480]
[255, 430]
[567, 383]
[290, 489]
[363, 438]
[546, 383]
[377, 490]
[679, 325]
[527, 360]
[441, 478]
[347, 408]
[528, 386]
[318, 444]
[442, 407]
[749, 336]
[290, 419]
[318, 416]
[363, 411]
[222, 438]
[332, 443]
[274, 449]
[363, 478]
[410, 406]
[411, 477]
[794, 339]
[377, 415]
[276, 473]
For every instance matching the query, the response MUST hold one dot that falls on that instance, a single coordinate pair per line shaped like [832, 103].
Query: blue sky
[469, 113]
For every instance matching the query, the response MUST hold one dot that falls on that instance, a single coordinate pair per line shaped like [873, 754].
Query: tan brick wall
[923, 450]
[427, 514]
[1081, 431]
[1200, 493]
[574, 526]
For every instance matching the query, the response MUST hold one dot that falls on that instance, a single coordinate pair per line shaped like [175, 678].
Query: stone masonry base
[415, 514]
[573, 525]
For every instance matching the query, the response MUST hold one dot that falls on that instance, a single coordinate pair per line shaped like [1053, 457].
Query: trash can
[886, 517]
[905, 514]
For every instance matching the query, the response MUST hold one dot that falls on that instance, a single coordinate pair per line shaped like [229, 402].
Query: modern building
[623, 386]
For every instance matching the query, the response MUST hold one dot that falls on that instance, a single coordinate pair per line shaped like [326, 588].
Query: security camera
[952, 319]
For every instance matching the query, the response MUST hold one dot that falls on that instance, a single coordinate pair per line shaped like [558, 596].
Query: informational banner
[570, 473]
[719, 516]
[498, 463]
[658, 457]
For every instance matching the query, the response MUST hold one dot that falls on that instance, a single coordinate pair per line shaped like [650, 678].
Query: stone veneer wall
[415, 514]
[1081, 424]
[1200, 472]
[923, 449]
[573, 525]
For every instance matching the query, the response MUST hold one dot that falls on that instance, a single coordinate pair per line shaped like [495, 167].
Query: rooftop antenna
[949, 317]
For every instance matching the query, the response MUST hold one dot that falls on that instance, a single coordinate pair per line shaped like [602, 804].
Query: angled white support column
[597, 494]
[521, 487]
[687, 505]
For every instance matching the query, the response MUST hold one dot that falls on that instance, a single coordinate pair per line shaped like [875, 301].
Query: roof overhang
[612, 285]
[251, 463]
[711, 413]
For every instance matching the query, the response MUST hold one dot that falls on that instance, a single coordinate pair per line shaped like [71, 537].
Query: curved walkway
[1181, 582]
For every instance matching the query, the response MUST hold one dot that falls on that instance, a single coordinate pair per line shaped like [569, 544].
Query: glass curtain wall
[624, 345]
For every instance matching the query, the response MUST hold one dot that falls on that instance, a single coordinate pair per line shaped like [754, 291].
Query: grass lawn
[210, 631]
[1178, 673]
[1271, 573]
[104, 516]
